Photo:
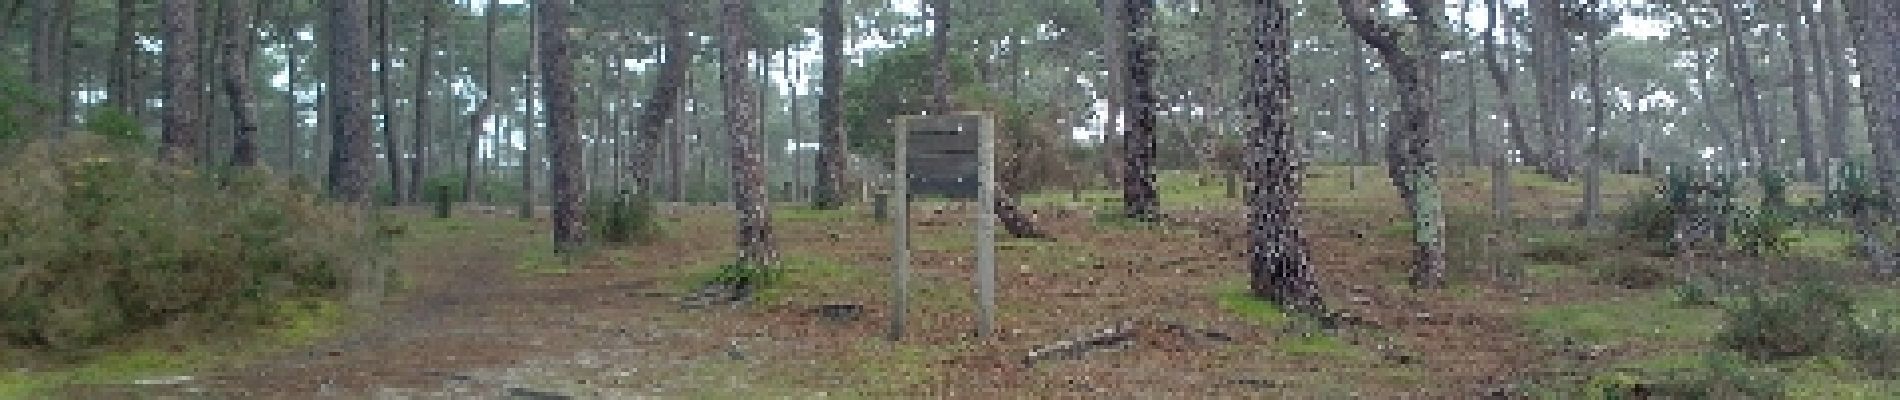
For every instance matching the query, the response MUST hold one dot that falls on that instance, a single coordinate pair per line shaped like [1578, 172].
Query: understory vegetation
[99, 241]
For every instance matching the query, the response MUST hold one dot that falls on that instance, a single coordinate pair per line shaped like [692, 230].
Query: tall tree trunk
[1114, 61]
[529, 162]
[1593, 157]
[1501, 78]
[557, 68]
[1413, 164]
[831, 148]
[748, 183]
[1551, 60]
[1742, 74]
[1878, 45]
[237, 71]
[1278, 264]
[1802, 26]
[1832, 55]
[181, 137]
[349, 73]
[386, 91]
[293, 106]
[480, 123]
[662, 109]
[940, 55]
[124, 59]
[1363, 113]
[1139, 199]
[425, 74]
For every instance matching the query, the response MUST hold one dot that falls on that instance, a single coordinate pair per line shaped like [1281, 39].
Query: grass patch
[293, 322]
[1821, 244]
[1647, 318]
[1236, 299]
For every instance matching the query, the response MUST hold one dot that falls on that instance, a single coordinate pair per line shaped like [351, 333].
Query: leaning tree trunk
[1409, 148]
[1278, 264]
[1501, 77]
[662, 109]
[181, 136]
[557, 69]
[755, 224]
[237, 70]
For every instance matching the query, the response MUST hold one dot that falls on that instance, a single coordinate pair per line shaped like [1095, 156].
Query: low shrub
[1716, 376]
[98, 241]
[625, 218]
[1809, 320]
[1559, 248]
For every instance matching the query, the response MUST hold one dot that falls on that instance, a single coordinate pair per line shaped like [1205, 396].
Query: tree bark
[124, 59]
[1413, 164]
[1801, 27]
[557, 69]
[386, 91]
[529, 162]
[181, 137]
[1878, 45]
[1835, 60]
[480, 122]
[662, 109]
[292, 104]
[1139, 199]
[1501, 77]
[831, 149]
[1278, 264]
[425, 74]
[1115, 62]
[1593, 159]
[1551, 60]
[1741, 70]
[755, 225]
[349, 72]
[237, 70]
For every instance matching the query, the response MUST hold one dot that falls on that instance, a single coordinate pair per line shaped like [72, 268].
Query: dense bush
[97, 241]
[625, 218]
[1812, 319]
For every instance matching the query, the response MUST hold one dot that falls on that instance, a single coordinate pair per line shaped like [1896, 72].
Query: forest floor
[489, 312]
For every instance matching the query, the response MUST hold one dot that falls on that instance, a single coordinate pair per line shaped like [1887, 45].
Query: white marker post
[986, 227]
[901, 226]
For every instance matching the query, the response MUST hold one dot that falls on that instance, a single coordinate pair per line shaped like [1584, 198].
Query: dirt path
[468, 322]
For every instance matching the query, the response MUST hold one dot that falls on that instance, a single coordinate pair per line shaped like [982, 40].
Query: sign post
[951, 156]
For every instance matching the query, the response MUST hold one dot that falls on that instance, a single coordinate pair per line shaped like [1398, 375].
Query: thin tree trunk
[1507, 98]
[237, 70]
[386, 90]
[480, 123]
[1593, 158]
[748, 183]
[1115, 63]
[419, 165]
[529, 162]
[1831, 54]
[181, 136]
[292, 104]
[557, 68]
[1799, 30]
[124, 58]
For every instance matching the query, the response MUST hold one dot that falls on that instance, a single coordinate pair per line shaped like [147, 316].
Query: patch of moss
[1236, 299]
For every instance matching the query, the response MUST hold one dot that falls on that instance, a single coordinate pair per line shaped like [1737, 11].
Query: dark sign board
[943, 155]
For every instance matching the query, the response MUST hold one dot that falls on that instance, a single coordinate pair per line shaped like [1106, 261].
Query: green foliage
[625, 218]
[1714, 376]
[1559, 247]
[1812, 319]
[1614, 321]
[1763, 232]
[1649, 218]
[439, 193]
[116, 126]
[19, 105]
[97, 242]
